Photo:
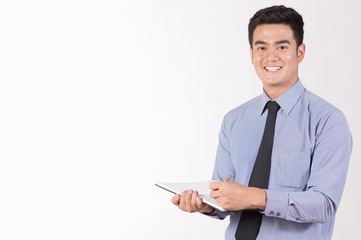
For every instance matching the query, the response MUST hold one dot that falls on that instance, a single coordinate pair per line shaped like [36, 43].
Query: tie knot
[272, 106]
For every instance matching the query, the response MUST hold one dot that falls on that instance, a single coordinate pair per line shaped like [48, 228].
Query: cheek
[257, 59]
[289, 57]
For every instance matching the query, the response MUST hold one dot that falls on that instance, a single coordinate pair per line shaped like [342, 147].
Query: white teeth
[272, 69]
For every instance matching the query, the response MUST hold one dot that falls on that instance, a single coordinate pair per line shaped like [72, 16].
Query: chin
[271, 82]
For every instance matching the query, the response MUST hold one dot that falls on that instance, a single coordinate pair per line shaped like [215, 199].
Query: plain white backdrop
[101, 99]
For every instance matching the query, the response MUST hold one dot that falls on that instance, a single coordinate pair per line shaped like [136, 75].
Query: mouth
[273, 68]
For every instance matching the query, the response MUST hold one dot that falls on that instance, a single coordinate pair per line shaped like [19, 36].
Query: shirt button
[271, 212]
[278, 214]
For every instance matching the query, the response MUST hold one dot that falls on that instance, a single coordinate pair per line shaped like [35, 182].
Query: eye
[282, 47]
[261, 48]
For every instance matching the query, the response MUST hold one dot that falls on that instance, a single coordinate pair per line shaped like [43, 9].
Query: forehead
[270, 33]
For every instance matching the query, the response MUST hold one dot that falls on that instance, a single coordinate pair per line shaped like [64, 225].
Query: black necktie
[250, 222]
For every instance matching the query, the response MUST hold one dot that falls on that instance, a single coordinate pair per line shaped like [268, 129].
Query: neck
[274, 92]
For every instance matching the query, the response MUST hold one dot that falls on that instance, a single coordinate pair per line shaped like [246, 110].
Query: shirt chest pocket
[290, 169]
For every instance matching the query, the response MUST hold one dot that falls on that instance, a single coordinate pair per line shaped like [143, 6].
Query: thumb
[175, 199]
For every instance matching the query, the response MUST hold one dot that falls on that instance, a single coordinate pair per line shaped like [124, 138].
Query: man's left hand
[233, 196]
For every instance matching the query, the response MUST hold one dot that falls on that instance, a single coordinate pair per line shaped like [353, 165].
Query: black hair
[277, 15]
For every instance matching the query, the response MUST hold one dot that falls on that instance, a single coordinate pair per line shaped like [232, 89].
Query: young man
[289, 149]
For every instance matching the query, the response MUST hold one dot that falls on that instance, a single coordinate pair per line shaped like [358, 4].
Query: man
[290, 169]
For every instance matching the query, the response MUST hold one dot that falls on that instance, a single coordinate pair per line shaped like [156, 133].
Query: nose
[272, 54]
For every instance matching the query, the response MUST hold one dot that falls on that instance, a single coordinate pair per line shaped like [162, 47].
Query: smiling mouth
[273, 69]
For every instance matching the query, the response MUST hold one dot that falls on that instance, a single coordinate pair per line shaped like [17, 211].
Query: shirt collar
[286, 100]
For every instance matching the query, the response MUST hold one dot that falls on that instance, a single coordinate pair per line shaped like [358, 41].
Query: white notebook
[201, 187]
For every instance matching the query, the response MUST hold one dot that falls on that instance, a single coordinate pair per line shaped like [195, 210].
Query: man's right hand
[189, 201]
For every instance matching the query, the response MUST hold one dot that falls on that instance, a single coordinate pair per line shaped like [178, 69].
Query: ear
[252, 57]
[301, 52]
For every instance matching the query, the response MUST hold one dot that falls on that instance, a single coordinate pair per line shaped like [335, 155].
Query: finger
[195, 201]
[199, 202]
[175, 199]
[188, 201]
[182, 202]
[215, 194]
[214, 185]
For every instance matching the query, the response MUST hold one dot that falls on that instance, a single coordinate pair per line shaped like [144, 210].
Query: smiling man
[289, 149]
[275, 56]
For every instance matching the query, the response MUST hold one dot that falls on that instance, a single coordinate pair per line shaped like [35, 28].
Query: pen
[230, 176]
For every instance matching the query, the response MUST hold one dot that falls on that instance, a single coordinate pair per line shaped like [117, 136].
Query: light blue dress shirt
[311, 152]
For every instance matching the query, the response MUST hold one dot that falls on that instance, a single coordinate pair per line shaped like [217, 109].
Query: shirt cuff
[277, 204]
[217, 214]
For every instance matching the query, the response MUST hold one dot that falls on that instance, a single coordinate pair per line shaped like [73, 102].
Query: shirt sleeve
[330, 159]
[223, 164]
[217, 214]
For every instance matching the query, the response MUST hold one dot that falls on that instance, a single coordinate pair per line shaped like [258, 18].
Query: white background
[101, 99]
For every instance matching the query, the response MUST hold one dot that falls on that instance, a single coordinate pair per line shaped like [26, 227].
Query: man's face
[275, 56]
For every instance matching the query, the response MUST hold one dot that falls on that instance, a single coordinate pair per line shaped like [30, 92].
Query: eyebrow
[259, 42]
[283, 42]
[278, 42]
